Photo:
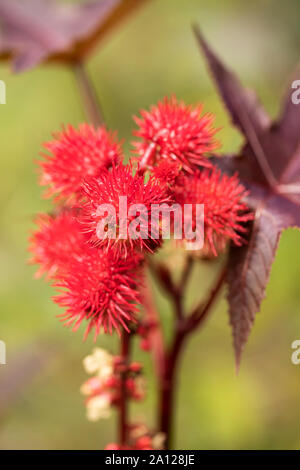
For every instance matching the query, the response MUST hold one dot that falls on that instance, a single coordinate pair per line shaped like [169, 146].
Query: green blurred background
[151, 55]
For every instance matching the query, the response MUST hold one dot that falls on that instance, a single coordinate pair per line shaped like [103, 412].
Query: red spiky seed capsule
[75, 154]
[225, 213]
[109, 201]
[56, 241]
[173, 130]
[102, 290]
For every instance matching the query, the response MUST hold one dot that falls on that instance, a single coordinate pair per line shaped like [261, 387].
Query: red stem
[201, 312]
[184, 325]
[168, 388]
[147, 158]
[155, 335]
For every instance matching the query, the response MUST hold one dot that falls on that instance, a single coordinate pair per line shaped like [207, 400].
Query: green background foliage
[154, 54]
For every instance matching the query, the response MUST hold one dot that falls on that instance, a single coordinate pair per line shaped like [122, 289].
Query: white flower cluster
[101, 364]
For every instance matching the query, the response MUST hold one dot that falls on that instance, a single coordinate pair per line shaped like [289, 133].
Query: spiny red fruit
[58, 239]
[96, 285]
[225, 213]
[173, 130]
[76, 154]
[141, 443]
[101, 289]
[167, 171]
[120, 189]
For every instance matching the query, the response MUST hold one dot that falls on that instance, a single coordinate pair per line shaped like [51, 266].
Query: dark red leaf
[287, 126]
[237, 99]
[269, 166]
[248, 274]
[34, 31]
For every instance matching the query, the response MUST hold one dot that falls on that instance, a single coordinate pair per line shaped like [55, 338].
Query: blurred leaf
[20, 371]
[269, 166]
[35, 31]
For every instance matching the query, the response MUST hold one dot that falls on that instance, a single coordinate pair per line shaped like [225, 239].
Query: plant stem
[88, 94]
[147, 158]
[189, 263]
[184, 325]
[200, 313]
[155, 335]
[168, 388]
[123, 415]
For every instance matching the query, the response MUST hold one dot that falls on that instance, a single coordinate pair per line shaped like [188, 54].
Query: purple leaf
[287, 126]
[238, 101]
[248, 274]
[34, 31]
[269, 166]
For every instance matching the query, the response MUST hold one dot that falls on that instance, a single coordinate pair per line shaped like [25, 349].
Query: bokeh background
[152, 55]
